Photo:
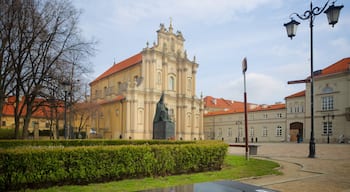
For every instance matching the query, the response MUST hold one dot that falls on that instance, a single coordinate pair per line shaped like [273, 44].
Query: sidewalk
[329, 171]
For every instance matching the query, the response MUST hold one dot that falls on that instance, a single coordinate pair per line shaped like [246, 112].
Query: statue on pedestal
[163, 127]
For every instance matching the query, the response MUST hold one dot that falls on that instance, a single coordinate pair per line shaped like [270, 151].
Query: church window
[159, 78]
[105, 90]
[171, 83]
[189, 83]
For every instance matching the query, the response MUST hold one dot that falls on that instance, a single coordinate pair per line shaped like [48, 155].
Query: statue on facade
[163, 127]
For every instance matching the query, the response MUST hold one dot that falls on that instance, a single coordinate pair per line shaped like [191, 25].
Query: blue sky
[220, 33]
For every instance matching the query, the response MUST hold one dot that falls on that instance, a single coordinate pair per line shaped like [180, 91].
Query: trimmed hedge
[83, 142]
[47, 166]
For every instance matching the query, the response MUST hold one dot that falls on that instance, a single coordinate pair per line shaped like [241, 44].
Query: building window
[189, 83]
[327, 103]
[3, 123]
[47, 124]
[251, 132]
[105, 90]
[264, 132]
[171, 83]
[229, 133]
[220, 132]
[265, 115]
[279, 131]
[279, 115]
[240, 132]
[327, 128]
[159, 78]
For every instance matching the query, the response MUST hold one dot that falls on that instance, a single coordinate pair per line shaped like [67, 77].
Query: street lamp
[66, 86]
[244, 69]
[291, 27]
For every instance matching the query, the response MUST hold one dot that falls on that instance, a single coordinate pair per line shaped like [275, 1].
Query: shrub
[79, 142]
[46, 166]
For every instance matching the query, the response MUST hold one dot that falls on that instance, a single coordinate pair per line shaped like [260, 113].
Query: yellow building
[126, 94]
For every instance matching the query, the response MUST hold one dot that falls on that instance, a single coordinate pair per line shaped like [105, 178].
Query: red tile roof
[298, 94]
[340, 66]
[211, 102]
[258, 108]
[120, 66]
[117, 98]
[42, 112]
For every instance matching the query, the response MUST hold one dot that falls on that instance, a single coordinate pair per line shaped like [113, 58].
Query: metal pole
[245, 119]
[312, 138]
[328, 128]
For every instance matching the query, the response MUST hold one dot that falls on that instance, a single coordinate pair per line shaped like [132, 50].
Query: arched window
[327, 89]
[159, 78]
[171, 83]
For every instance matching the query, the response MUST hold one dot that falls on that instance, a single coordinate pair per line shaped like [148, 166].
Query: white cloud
[206, 11]
[260, 89]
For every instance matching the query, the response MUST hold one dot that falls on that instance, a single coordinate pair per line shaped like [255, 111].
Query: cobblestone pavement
[328, 171]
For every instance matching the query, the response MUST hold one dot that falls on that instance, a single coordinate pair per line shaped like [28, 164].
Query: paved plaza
[329, 171]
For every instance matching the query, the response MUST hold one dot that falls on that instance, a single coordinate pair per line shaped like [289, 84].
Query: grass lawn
[235, 167]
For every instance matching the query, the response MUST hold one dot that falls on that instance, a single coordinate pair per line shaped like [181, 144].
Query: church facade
[125, 96]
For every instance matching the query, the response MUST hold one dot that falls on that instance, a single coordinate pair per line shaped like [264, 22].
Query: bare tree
[47, 41]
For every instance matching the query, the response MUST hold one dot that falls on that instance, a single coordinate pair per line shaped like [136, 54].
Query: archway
[295, 129]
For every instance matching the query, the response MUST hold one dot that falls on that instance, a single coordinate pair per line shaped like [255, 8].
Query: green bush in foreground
[78, 142]
[48, 166]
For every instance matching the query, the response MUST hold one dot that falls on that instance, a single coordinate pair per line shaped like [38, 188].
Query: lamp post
[291, 27]
[244, 69]
[66, 89]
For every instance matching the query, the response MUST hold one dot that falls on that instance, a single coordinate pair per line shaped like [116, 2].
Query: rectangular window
[220, 132]
[3, 123]
[279, 131]
[251, 132]
[327, 103]
[264, 132]
[229, 133]
[265, 116]
[327, 128]
[240, 132]
[279, 115]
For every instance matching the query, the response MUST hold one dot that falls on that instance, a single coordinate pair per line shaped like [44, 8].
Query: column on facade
[128, 119]
[193, 120]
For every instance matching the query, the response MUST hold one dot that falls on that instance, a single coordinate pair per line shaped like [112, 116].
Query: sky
[220, 33]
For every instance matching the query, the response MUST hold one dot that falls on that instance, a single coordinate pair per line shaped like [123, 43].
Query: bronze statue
[163, 127]
[161, 111]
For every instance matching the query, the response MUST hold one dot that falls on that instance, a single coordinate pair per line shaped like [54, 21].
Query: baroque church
[125, 96]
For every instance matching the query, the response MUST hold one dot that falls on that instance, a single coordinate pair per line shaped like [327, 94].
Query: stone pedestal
[163, 130]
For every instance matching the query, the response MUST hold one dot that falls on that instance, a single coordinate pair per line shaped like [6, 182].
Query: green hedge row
[42, 167]
[89, 142]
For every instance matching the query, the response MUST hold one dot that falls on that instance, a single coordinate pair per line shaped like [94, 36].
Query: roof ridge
[135, 59]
